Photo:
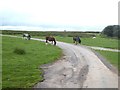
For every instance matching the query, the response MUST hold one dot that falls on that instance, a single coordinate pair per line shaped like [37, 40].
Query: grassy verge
[21, 60]
[98, 42]
[112, 57]
[101, 42]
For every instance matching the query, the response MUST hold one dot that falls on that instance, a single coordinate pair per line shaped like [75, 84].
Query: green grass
[112, 57]
[23, 70]
[19, 51]
[99, 42]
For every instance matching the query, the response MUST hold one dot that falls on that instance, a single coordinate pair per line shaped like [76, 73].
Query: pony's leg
[79, 41]
[24, 37]
[76, 43]
[46, 42]
[54, 42]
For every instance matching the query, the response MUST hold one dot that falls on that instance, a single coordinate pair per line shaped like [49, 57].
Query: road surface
[78, 68]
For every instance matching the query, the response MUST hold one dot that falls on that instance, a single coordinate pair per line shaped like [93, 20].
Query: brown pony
[50, 38]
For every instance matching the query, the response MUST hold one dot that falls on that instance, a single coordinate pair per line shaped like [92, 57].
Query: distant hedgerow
[19, 51]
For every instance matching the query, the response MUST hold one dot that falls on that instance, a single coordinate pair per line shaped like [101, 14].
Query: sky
[71, 15]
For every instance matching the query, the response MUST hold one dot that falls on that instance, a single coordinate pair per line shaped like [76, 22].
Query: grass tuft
[20, 67]
[19, 51]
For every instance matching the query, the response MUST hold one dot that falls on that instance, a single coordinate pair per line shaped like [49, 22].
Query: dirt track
[79, 68]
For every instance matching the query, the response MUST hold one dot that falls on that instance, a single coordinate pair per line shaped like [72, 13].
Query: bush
[19, 51]
[112, 31]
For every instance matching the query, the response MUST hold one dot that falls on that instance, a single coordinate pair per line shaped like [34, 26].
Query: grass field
[99, 41]
[112, 57]
[21, 60]
[86, 37]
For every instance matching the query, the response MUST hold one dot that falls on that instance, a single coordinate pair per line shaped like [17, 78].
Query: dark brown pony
[76, 40]
[50, 38]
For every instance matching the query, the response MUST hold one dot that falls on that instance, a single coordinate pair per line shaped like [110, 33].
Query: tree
[112, 31]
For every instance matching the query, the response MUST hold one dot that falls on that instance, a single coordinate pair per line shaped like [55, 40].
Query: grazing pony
[26, 36]
[93, 37]
[76, 40]
[50, 38]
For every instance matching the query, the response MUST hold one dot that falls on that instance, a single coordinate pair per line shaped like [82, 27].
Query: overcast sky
[65, 14]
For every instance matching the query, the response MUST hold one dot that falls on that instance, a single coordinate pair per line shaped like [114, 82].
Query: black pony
[50, 38]
[76, 40]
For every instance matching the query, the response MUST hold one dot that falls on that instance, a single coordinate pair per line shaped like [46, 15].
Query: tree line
[53, 33]
[112, 31]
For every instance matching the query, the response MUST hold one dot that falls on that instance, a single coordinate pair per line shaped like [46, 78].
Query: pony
[26, 36]
[50, 38]
[76, 40]
[93, 37]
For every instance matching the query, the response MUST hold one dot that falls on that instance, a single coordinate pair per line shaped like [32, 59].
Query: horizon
[51, 28]
[53, 31]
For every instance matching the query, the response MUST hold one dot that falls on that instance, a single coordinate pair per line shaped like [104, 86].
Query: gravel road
[78, 68]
